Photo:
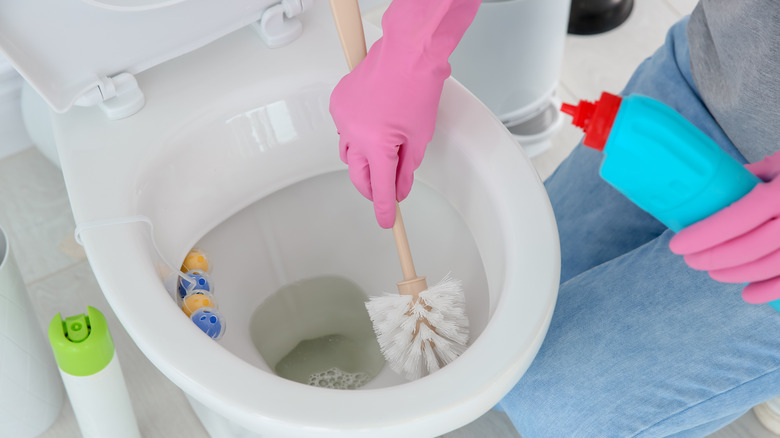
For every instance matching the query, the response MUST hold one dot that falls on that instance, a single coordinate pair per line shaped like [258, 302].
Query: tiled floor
[36, 215]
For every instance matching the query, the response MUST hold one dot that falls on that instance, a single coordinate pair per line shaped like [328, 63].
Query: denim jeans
[641, 345]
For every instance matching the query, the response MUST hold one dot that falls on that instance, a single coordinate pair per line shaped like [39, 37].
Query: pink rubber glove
[385, 109]
[741, 243]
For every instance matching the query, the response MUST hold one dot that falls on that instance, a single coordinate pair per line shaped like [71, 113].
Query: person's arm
[385, 109]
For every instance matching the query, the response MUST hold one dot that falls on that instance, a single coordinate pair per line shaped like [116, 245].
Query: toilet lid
[65, 48]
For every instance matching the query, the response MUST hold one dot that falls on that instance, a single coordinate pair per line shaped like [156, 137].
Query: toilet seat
[246, 122]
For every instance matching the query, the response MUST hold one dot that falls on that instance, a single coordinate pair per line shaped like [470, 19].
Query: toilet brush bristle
[418, 338]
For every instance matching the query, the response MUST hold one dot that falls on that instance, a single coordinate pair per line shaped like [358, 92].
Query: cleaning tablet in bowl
[198, 280]
[210, 321]
[195, 260]
[197, 299]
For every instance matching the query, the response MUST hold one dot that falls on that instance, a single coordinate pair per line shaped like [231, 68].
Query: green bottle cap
[82, 344]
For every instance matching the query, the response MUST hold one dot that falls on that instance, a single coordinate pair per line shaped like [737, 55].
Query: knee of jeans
[566, 418]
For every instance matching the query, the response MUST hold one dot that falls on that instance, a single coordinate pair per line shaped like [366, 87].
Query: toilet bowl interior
[321, 228]
[280, 209]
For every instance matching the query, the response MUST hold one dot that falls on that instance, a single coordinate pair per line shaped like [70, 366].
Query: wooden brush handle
[349, 23]
[402, 245]
[412, 284]
[346, 14]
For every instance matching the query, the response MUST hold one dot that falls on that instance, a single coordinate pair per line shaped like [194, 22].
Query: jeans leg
[644, 346]
[708, 428]
[596, 223]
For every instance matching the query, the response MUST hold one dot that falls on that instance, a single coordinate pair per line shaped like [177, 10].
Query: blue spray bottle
[659, 160]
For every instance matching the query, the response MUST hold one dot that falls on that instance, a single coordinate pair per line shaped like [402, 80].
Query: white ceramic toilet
[230, 147]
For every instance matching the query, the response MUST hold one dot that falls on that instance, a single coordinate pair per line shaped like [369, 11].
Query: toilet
[223, 141]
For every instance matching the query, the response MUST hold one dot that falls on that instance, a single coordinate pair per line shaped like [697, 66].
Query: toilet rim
[468, 386]
[186, 355]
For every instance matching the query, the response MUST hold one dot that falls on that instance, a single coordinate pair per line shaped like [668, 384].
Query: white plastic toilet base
[535, 133]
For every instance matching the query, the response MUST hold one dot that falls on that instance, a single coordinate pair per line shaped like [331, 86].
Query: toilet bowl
[234, 152]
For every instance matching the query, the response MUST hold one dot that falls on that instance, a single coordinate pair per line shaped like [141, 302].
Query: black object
[589, 17]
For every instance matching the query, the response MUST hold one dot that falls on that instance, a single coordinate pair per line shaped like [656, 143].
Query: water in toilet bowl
[338, 348]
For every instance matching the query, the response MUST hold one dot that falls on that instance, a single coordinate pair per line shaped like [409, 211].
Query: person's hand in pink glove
[741, 243]
[385, 109]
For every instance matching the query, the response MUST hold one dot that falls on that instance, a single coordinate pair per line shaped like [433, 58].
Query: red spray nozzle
[595, 119]
[568, 108]
[571, 109]
[581, 114]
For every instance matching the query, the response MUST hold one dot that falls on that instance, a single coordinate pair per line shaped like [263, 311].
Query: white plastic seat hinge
[118, 96]
[278, 25]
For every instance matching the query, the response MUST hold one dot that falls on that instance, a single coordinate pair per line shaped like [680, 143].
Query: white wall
[13, 137]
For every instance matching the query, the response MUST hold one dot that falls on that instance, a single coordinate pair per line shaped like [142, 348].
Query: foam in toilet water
[308, 362]
[334, 378]
[322, 335]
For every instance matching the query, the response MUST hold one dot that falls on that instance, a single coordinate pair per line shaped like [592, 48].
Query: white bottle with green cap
[93, 379]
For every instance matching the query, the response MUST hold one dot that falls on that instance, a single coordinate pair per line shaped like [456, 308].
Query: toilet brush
[420, 329]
